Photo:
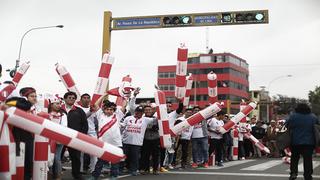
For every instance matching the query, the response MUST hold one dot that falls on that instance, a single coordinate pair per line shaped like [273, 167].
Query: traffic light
[12, 73]
[226, 18]
[177, 20]
[246, 17]
[249, 17]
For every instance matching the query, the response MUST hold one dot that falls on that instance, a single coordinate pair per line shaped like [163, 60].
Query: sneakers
[170, 166]
[155, 172]
[220, 164]
[205, 165]
[194, 165]
[243, 158]
[162, 169]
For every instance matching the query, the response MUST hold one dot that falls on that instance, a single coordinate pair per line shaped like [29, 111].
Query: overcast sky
[289, 44]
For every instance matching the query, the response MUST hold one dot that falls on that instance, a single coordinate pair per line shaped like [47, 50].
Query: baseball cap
[139, 109]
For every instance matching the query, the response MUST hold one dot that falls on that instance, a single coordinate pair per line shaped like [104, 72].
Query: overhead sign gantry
[180, 20]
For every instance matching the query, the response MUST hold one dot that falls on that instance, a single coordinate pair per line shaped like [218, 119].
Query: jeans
[200, 150]
[114, 171]
[184, 152]
[57, 167]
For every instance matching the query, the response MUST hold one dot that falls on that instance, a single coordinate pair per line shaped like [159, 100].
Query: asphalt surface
[251, 169]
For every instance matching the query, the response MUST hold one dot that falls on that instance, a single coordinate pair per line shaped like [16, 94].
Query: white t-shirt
[172, 116]
[215, 124]
[197, 131]
[112, 134]
[134, 129]
[186, 133]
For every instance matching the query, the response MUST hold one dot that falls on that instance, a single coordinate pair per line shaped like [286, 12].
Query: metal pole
[21, 41]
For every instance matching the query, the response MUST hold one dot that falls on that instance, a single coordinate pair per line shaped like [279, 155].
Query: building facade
[232, 75]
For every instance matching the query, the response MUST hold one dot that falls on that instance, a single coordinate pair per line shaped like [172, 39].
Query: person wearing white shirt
[216, 138]
[133, 134]
[184, 139]
[108, 117]
[58, 116]
[199, 141]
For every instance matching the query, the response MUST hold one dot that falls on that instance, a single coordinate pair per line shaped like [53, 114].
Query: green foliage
[283, 104]
[314, 99]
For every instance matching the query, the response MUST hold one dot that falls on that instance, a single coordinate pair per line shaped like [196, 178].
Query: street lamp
[275, 79]
[268, 92]
[13, 72]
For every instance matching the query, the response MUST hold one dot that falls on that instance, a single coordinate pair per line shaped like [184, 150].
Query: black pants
[75, 162]
[184, 152]
[28, 159]
[248, 148]
[306, 152]
[133, 154]
[216, 145]
[150, 147]
[241, 149]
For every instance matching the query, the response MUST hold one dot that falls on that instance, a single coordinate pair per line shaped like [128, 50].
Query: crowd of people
[134, 128]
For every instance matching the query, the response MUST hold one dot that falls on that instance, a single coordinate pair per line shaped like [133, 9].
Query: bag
[316, 131]
[283, 138]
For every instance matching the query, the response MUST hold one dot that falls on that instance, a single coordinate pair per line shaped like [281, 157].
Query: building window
[167, 87]
[167, 74]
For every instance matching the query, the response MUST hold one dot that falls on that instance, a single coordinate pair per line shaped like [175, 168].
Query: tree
[314, 99]
[283, 104]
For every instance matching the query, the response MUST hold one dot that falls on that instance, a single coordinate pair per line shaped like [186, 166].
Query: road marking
[229, 164]
[263, 166]
[315, 164]
[234, 174]
[119, 177]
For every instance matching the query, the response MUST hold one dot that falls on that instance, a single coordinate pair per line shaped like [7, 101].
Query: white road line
[235, 174]
[263, 166]
[229, 164]
[300, 167]
[119, 177]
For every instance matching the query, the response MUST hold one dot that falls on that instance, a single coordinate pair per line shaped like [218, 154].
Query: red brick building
[232, 74]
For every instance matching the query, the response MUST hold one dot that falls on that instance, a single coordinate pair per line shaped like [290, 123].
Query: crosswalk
[263, 166]
[258, 165]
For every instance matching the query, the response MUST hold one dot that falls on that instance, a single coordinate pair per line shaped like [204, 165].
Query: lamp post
[275, 79]
[268, 92]
[12, 72]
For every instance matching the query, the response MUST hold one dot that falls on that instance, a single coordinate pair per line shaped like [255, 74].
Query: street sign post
[180, 20]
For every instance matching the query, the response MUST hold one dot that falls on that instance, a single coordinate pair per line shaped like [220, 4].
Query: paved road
[252, 169]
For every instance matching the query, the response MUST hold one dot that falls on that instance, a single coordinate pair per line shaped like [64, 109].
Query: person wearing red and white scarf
[59, 116]
[108, 118]
[133, 134]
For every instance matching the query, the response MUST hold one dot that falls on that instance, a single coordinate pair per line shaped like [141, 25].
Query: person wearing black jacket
[21, 135]
[258, 132]
[77, 120]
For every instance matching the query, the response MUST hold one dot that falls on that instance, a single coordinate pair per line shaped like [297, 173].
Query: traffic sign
[137, 22]
[187, 20]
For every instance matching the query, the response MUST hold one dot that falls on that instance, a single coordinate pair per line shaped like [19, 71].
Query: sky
[288, 45]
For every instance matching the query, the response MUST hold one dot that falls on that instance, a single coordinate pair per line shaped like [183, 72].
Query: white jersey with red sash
[135, 129]
[109, 127]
